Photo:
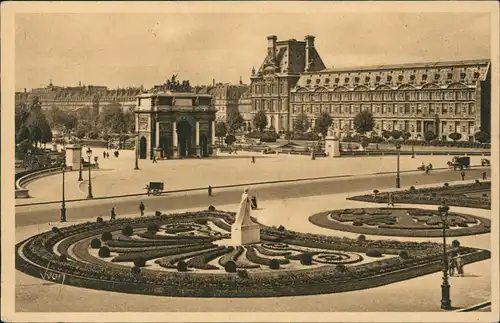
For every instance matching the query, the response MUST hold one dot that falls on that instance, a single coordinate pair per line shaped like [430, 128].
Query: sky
[119, 50]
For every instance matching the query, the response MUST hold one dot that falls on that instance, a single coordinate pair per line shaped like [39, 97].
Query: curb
[475, 307]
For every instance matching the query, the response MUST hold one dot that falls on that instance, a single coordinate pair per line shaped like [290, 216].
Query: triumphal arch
[174, 125]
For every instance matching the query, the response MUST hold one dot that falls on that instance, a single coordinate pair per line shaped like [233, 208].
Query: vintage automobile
[459, 163]
[485, 162]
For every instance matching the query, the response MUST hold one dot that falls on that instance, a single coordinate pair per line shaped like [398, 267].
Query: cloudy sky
[134, 49]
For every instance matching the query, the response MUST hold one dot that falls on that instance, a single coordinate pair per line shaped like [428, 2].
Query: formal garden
[190, 254]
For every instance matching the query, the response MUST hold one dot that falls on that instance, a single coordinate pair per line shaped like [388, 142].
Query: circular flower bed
[405, 222]
[134, 260]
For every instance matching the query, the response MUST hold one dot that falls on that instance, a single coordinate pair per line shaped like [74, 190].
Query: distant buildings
[441, 97]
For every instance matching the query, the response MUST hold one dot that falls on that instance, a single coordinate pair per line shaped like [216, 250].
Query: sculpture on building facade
[173, 85]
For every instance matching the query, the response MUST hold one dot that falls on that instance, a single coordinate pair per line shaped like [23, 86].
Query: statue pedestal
[245, 234]
[332, 146]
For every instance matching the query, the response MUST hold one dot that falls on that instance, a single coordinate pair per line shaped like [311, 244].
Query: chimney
[309, 46]
[271, 46]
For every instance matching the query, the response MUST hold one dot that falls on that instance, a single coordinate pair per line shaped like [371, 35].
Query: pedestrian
[142, 207]
[104, 154]
[209, 190]
[430, 166]
[484, 176]
[253, 159]
[96, 163]
[391, 200]
[451, 264]
[107, 154]
[427, 169]
[460, 265]
[154, 159]
[463, 175]
[113, 213]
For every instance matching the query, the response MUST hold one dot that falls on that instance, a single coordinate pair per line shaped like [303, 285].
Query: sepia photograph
[254, 161]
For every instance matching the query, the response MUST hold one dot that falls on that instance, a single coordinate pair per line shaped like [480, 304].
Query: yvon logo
[53, 276]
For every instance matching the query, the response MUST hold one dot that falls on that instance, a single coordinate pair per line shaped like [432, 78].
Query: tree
[234, 121]
[301, 124]
[396, 134]
[22, 134]
[260, 121]
[429, 136]
[230, 139]
[364, 142]
[113, 119]
[46, 131]
[455, 136]
[323, 123]
[386, 134]
[482, 136]
[220, 130]
[363, 122]
[93, 134]
[406, 135]
[80, 132]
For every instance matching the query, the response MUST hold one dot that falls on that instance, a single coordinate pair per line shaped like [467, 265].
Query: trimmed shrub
[361, 238]
[412, 188]
[95, 244]
[99, 220]
[55, 230]
[477, 181]
[455, 244]
[200, 221]
[157, 213]
[357, 223]
[182, 266]
[104, 252]
[485, 195]
[433, 194]
[376, 192]
[243, 273]
[306, 259]
[62, 258]
[446, 185]
[139, 262]
[230, 267]
[404, 254]
[374, 253]
[211, 208]
[281, 228]
[106, 236]
[135, 270]
[127, 230]
[274, 264]
[153, 227]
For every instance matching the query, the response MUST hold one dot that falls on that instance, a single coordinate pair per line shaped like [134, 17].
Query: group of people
[455, 263]
[105, 154]
[427, 168]
[142, 208]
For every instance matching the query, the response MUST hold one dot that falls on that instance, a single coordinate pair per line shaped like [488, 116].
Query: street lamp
[136, 152]
[89, 154]
[398, 181]
[445, 287]
[63, 200]
[80, 177]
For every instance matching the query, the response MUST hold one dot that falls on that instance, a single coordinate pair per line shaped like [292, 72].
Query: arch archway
[143, 145]
[184, 138]
[165, 146]
[203, 146]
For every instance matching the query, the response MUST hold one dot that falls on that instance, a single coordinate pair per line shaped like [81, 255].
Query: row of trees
[31, 125]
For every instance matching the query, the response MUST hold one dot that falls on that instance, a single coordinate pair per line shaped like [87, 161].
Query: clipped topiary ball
[104, 252]
[306, 259]
[127, 230]
[446, 185]
[243, 273]
[99, 220]
[139, 262]
[55, 230]
[412, 188]
[477, 181]
[374, 253]
[376, 192]
[106, 236]
[230, 267]
[95, 243]
[135, 270]
[211, 208]
[182, 266]
[281, 228]
[153, 227]
[274, 264]
[455, 243]
[157, 213]
[361, 238]
[404, 254]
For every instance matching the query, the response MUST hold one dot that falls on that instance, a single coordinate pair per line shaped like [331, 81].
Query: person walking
[253, 159]
[104, 154]
[113, 213]
[484, 176]
[154, 159]
[451, 265]
[427, 169]
[463, 175]
[391, 200]
[142, 207]
[107, 154]
[460, 265]
[209, 190]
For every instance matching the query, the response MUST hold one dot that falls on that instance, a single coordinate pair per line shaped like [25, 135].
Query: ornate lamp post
[63, 200]
[136, 152]
[80, 177]
[89, 154]
[398, 181]
[445, 286]
[412, 151]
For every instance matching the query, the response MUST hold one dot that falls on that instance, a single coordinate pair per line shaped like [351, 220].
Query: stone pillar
[175, 153]
[157, 149]
[332, 146]
[197, 139]
[73, 156]
[212, 144]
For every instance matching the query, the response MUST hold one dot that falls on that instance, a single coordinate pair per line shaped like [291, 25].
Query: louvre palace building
[442, 97]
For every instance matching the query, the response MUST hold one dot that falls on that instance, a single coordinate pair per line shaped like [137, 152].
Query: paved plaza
[116, 176]
[419, 294]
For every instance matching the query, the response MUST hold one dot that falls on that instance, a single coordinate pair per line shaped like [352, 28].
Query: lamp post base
[445, 297]
[398, 182]
[63, 214]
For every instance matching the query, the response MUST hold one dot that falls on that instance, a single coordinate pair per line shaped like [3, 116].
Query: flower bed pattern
[463, 195]
[403, 222]
[334, 265]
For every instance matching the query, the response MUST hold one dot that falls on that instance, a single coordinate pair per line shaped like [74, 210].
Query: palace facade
[174, 125]
[442, 97]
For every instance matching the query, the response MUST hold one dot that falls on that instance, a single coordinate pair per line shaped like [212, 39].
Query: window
[356, 79]
[462, 76]
[308, 81]
[367, 79]
[471, 108]
[407, 108]
[419, 109]
[445, 109]
[412, 128]
[400, 78]
[346, 80]
[450, 128]
[431, 109]
[389, 78]
[377, 78]
[337, 80]
[436, 76]
[476, 75]
[412, 77]
[424, 77]
[327, 80]
[464, 128]
[419, 126]
[450, 76]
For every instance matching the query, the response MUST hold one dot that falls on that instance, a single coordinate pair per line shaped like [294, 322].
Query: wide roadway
[29, 215]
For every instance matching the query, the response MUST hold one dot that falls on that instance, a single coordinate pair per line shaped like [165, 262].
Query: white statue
[244, 230]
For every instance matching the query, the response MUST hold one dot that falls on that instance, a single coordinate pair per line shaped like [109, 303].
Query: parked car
[459, 162]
